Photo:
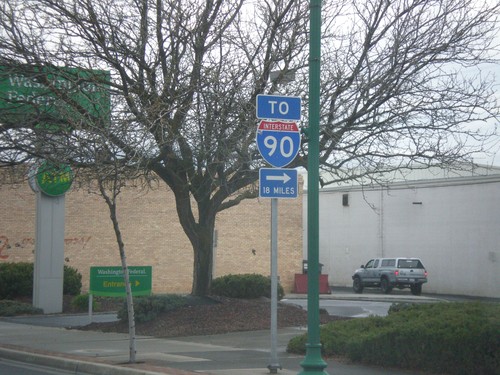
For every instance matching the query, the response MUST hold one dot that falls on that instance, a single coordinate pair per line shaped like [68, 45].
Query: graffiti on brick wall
[6, 244]
[77, 241]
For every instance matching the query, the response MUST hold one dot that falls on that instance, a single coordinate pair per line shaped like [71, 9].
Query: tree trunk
[111, 202]
[203, 258]
[199, 232]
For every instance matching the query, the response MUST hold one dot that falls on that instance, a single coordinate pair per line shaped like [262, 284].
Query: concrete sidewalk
[47, 340]
[88, 352]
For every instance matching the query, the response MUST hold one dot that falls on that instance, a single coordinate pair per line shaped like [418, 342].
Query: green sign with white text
[54, 98]
[109, 281]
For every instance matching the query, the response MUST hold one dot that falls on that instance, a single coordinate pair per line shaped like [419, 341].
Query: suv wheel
[357, 285]
[385, 285]
[416, 289]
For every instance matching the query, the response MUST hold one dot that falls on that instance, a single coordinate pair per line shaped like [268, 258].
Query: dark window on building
[345, 200]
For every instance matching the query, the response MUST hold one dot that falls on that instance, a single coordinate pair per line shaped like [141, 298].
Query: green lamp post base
[313, 364]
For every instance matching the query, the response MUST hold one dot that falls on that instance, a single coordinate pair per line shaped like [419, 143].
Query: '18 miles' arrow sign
[278, 183]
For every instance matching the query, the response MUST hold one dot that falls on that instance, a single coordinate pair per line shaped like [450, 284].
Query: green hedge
[72, 281]
[244, 286]
[451, 338]
[16, 280]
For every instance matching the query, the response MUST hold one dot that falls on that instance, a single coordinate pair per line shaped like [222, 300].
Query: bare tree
[397, 88]
[111, 175]
[408, 84]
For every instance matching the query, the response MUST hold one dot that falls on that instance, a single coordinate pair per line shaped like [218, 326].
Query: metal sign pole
[274, 365]
[313, 363]
[278, 142]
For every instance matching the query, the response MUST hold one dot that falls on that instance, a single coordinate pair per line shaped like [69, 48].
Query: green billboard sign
[109, 281]
[54, 98]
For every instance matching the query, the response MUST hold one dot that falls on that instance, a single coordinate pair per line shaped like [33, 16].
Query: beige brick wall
[153, 235]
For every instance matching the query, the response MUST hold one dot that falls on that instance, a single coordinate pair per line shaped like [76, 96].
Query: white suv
[388, 273]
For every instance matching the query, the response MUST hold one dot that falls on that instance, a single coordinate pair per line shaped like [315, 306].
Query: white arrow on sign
[285, 178]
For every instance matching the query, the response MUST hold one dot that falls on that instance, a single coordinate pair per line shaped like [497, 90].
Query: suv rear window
[410, 263]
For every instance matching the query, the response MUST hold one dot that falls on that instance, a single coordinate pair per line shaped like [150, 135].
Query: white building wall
[452, 225]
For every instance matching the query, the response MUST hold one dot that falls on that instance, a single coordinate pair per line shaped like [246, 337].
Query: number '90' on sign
[278, 142]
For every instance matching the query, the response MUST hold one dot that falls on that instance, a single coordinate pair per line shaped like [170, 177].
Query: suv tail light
[396, 272]
[425, 273]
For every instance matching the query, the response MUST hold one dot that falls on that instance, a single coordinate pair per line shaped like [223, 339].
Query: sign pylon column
[49, 254]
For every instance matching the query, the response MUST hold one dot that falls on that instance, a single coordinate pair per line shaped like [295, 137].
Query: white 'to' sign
[278, 107]
[282, 107]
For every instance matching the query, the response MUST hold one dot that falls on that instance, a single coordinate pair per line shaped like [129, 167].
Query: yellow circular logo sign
[54, 179]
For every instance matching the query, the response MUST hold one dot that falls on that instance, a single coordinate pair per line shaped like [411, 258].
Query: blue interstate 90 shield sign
[278, 142]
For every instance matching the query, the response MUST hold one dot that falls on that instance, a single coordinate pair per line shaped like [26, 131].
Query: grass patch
[452, 338]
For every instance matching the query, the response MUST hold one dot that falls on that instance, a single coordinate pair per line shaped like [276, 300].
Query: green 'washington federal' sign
[109, 282]
[54, 98]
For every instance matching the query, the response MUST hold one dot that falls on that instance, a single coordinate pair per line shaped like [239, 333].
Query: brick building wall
[153, 235]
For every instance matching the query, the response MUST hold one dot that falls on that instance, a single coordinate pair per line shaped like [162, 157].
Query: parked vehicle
[388, 273]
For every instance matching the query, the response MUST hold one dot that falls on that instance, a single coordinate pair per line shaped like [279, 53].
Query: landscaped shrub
[148, 308]
[11, 308]
[72, 281]
[244, 286]
[400, 306]
[16, 280]
[81, 303]
[451, 338]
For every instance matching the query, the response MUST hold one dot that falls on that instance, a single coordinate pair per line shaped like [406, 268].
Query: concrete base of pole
[48, 272]
[273, 368]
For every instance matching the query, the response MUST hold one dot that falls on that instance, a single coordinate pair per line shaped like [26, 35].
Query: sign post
[52, 100]
[110, 282]
[278, 141]
[313, 363]
[50, 182]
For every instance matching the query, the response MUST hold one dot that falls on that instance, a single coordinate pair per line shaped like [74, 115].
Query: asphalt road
[9, 367]
[354, 309]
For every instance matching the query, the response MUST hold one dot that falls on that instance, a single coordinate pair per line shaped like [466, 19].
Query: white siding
[452, 225]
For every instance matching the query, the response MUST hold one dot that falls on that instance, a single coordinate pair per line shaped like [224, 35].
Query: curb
[78, 366]
[369, 297]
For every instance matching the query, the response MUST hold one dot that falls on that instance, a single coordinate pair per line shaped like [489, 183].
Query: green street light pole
[313, 363]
